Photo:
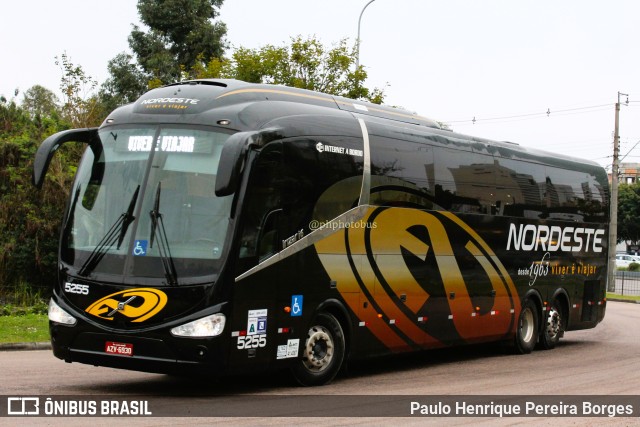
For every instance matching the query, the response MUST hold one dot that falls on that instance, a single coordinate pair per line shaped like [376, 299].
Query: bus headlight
[209, 326]
[58, 315]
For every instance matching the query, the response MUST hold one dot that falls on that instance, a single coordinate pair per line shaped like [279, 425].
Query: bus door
[254, 325]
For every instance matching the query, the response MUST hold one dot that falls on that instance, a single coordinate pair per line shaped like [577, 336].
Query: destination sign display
[165, 144]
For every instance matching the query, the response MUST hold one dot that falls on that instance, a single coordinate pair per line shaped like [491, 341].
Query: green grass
[25, 328]
[623, 297]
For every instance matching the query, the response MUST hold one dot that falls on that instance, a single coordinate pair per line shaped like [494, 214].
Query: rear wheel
[322, 353]
[553, 327]
[527, 331]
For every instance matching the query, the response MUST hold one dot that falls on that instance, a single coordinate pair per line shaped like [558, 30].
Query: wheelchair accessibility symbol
[296, 305]
[140, 248]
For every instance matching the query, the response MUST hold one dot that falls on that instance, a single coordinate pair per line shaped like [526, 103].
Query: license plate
[119, 348]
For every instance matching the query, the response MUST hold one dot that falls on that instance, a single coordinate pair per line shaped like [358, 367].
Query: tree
[180, 33]
[40, 101]
[29, 220]
[305, 64]
[126, 84]
[81, 106]
[629, 213]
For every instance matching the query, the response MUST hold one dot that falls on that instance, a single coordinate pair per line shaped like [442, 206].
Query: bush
[39, 307]
[634, 266]
[23, 299]
[29, 219]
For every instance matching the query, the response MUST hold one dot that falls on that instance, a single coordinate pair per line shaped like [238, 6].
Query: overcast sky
[503, 62]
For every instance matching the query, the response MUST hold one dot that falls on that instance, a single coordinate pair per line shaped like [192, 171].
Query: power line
[548, 113]
[625, 156]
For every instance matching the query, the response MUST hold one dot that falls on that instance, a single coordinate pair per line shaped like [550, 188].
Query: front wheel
[527, 331]
[322, 353]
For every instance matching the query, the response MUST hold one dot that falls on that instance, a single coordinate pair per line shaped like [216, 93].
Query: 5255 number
[252, 341]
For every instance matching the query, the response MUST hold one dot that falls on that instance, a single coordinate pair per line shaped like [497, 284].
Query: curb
[18, 346]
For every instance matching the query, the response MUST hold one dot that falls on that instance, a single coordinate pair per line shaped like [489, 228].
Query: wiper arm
[128, 217]
[163, 243]
[115, 234]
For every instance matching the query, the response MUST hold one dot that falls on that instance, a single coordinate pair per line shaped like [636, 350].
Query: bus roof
[181, 102]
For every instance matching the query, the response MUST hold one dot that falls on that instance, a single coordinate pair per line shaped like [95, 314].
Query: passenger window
[465, 181]
[401, 173]
[520, 188]
[319, 185]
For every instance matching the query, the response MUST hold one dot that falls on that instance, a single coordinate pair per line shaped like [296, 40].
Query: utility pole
[613, 220]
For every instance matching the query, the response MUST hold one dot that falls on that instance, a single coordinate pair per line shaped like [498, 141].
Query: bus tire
[527, 328]
[323, 352]
[553, 326]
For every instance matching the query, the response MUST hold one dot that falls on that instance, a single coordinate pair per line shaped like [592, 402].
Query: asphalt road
[601, 361]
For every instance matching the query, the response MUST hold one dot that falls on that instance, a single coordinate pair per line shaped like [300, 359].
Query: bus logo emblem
[412, 242]
[148, 302]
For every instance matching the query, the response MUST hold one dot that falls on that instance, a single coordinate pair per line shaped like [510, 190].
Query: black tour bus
[216, 226]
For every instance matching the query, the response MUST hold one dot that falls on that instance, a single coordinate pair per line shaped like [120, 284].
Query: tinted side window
[521, 188]
[538, 191]
[573, 196]
[465, 181]
[402, 173]
[322, 180]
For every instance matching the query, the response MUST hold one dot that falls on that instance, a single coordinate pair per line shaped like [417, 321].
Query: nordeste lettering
[553, 238]
[170, 101]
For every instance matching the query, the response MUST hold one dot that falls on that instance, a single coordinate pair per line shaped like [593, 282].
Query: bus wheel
[323, 352]
[527, 330]
[553, 327]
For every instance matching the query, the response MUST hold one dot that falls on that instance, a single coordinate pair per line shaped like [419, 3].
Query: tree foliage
[126, 84]
[180, 33]
[179, 36]
[183, 40]
[305, 63]
[81, 106]
[629, 212]
[40, 101]
[28, 219]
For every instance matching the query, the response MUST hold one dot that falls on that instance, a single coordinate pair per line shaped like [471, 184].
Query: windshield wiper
[115, 234]
[163, 243]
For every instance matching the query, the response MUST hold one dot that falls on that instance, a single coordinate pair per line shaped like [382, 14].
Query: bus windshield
[144, 204]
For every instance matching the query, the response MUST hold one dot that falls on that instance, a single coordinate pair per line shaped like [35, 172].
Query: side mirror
[50, 145]
[231, 162]
[233, 156]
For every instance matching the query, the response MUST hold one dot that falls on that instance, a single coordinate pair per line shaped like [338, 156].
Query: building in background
[629, 173]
